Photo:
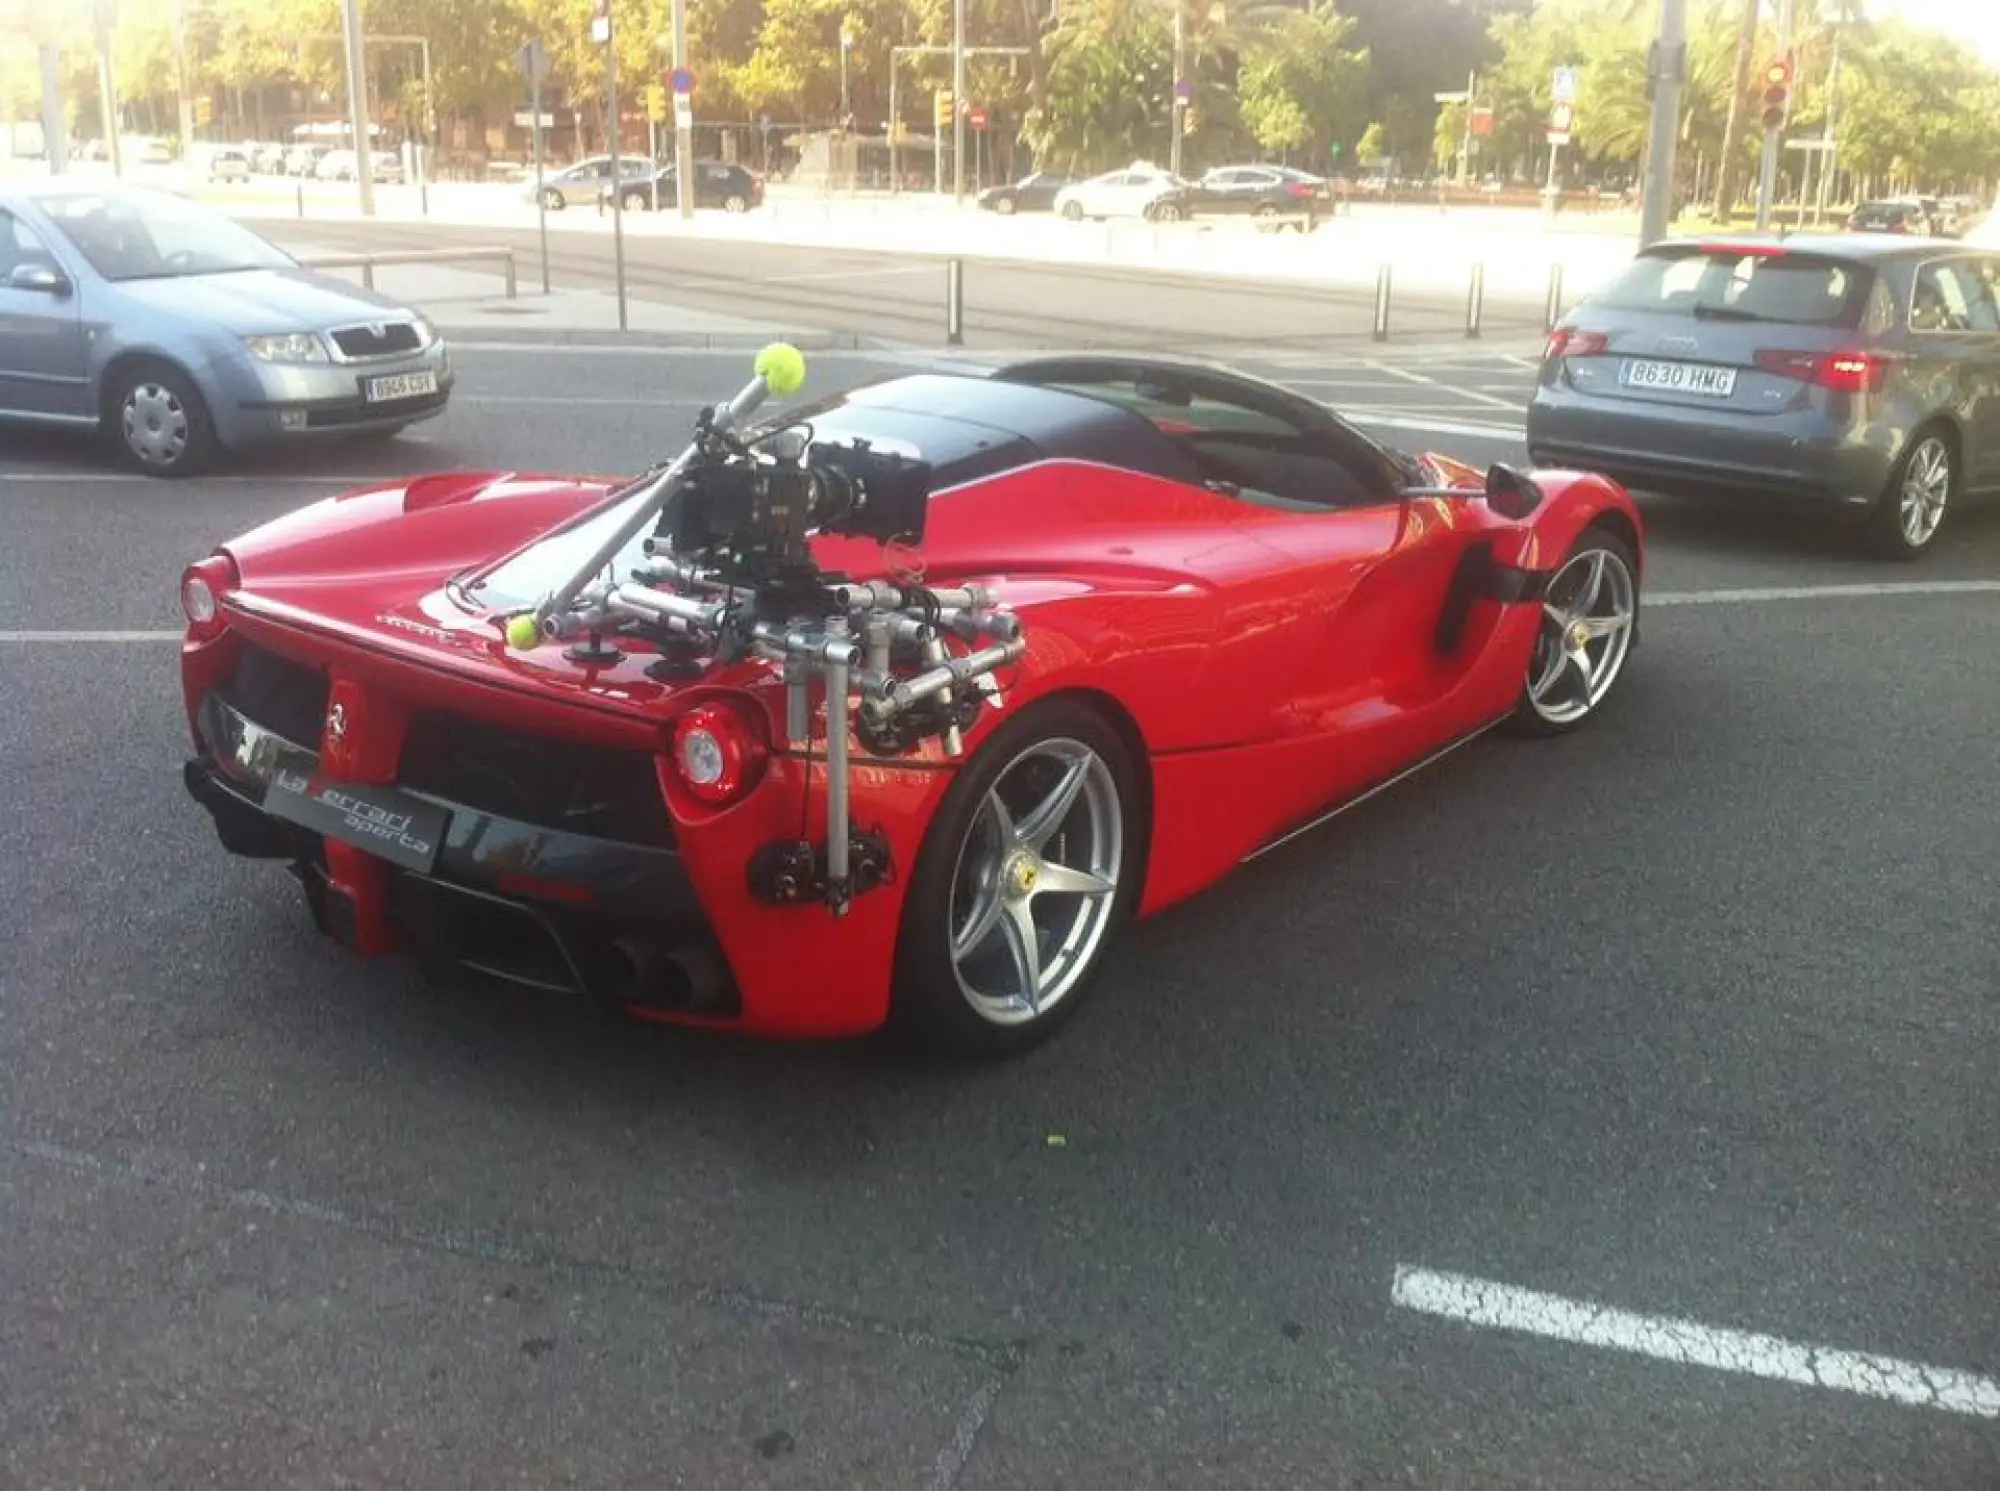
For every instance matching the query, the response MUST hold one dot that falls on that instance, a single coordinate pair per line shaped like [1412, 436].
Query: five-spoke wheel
[1029, 870]
[1589, 615]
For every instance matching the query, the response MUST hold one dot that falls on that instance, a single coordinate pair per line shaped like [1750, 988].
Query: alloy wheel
[1926, 488]
[1036, 881]
[1587, 616]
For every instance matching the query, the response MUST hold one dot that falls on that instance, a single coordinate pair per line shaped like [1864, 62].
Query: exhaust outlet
[638, 971]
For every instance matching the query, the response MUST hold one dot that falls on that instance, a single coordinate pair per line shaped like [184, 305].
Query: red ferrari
[891, 710]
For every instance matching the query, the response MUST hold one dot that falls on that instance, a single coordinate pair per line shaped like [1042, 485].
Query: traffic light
[944, 108]
[1777, 93]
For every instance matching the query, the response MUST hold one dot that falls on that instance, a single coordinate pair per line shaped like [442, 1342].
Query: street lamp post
[1663, 81]
[958, 102]
[1767, 178]
[846, 45]
[104, 15]
[357, 107]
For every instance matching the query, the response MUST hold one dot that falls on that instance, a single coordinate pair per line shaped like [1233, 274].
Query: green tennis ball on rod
[522, 633]
[782, 367]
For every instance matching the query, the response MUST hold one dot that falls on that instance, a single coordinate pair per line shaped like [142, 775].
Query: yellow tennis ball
[782, 367]
[522, 633]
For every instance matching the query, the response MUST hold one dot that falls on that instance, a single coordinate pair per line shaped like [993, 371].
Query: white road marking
[1397, 372]
[89, 637]
[1505, 1307]
[1751, 596]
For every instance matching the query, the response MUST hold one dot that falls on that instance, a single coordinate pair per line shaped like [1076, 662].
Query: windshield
[137, 234]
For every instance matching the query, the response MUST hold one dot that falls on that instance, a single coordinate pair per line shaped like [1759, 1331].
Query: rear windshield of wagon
[1724, 283]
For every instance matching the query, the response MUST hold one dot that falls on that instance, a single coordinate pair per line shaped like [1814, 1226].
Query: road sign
[683, 81]
[1561, 117]
[1482, 123]
[1563, 89]
[204, 110]
[656, 103]
[683, 111]
[1184, 89]
[532, 59]
[976, 118]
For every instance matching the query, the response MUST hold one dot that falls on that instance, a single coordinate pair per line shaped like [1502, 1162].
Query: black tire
[931, 1007]
[1005, 206]
[1265, 209]
[553, 200]
[172, 434]
[1549, 711]
[637, 201]
[1072, 212]
[1886, 534]
[1166, 212]
[735, 202]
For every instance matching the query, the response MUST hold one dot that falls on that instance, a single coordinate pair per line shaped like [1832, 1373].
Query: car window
[1952, 295]
[142, 234]
[21, 245]
[1257, 454]
[1746, 284]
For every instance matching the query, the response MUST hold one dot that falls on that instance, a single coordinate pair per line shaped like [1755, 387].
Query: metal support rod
[1465, 146]
[357, 107]
[1829, 136]
[837, 725]
[1382, 291]
[683, 132]
[1767, 180]
[954, 302]
[184, 99]
[1552, 312]
[958, 102]
[426, 134]
[1656, 207]
[541, 193]
[1177, 111]
[617, 140]
[1475, 301]
[55, 118]
[895, 128]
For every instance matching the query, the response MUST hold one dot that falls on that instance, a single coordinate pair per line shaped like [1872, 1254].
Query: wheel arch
[127, 360]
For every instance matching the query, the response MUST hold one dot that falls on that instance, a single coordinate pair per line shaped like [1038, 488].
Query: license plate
[1678, 377]
[392, 825]
[400, 386]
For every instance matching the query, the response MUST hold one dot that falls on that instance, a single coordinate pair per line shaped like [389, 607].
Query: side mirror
[40, 278]
[1510, 493]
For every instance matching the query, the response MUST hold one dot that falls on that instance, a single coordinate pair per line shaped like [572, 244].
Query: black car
[1254, 191]
[716, 184]
[1036, 193]
[1901, 216]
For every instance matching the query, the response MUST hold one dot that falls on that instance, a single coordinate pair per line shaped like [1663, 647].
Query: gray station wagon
[1858, 371]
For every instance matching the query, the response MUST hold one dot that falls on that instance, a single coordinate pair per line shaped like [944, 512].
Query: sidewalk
[1430, 251]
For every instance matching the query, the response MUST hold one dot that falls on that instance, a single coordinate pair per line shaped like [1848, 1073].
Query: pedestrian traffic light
[1777, 93]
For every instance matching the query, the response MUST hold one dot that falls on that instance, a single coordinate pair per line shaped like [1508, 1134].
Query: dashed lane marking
[1504, 1307]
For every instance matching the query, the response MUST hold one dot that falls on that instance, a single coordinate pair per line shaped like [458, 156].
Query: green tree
[1107, 96]
[1302, 86]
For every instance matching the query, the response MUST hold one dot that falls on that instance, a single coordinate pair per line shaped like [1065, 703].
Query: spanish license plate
[399, 386]
[1678, 377]
[392, 825]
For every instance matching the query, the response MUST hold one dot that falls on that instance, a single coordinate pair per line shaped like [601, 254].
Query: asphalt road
[900, 299]
[1691, 1015]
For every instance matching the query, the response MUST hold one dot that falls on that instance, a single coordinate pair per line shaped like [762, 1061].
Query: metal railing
[369, 263]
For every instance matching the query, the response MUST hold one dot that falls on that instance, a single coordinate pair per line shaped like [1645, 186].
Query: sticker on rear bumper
[404, 830]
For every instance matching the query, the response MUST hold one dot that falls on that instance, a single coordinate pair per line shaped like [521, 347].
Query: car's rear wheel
[1004, 206]
[637, 201]
[735, 202]
[1590, 618]
[1918, 495]
[1073, 211]
[159, 420]
[1029, 871]
[1166, 212]
[553, 200]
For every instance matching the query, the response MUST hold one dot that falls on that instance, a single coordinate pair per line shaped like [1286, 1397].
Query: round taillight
[715, 753]
[198, 600]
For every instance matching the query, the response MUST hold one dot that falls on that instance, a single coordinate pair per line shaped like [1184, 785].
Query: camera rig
[728, 573]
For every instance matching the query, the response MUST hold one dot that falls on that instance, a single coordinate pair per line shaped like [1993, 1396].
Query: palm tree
[1738, 122]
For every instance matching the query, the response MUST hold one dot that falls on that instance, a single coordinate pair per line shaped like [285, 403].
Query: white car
[1124, 193]
[229, 165]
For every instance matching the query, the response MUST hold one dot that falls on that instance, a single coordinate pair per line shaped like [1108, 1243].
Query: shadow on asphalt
[1737, 527]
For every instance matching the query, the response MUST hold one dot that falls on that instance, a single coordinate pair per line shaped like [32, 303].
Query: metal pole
[958, 101]
[1829, 151]
[683, 132]
[55, 118]
[1767, 181]
[1382, 281]
[541, 194]
[1475, 301]
[895, 129]
[107, 88]
[357, 106]
[1176, 111]
[617, 139]
[1465, 149]
[954, 302]
[1656, 208]
[426, 142]
[186, 103]
[1554, 310]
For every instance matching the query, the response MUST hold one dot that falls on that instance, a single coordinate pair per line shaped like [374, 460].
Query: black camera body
[750, 517]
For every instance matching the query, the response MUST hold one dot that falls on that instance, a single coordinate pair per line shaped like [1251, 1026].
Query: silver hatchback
[181, 334]
[1858, 371]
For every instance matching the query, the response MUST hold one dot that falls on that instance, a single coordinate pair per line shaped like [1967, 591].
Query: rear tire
[1917, 499]
[1590, 619]
[1028, 873]
[1072, 212]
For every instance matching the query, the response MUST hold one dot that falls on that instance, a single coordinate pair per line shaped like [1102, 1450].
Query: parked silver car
[1859, 371]
[182, 334]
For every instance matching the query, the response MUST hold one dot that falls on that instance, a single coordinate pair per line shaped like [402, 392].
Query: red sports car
[892, 710]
